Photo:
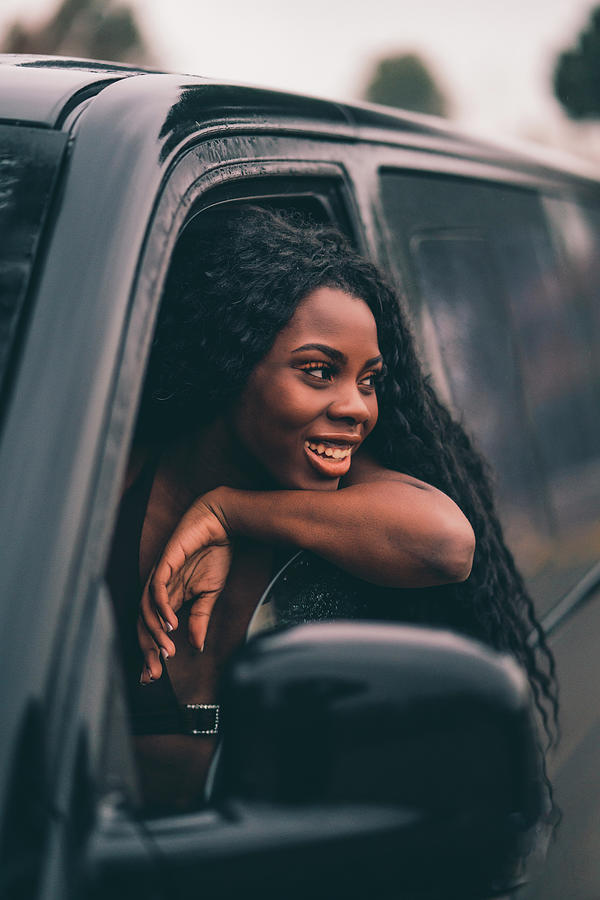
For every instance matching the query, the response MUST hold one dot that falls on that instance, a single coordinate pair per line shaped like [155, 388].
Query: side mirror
[414, 719]
[363, 757]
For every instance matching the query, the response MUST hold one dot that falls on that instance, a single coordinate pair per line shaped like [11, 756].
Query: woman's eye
[371, 379]
[319, 370]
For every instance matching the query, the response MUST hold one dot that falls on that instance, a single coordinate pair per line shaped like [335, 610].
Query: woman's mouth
[329, 449]
[329, 458]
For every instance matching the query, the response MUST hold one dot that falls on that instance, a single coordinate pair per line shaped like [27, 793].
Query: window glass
[576, 235]
[511, 351]
[460, 289]
[29, 159]
[557, 354]
[470, 330]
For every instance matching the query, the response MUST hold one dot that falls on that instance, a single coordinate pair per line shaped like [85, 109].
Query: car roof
[39, 84]
[42, 91]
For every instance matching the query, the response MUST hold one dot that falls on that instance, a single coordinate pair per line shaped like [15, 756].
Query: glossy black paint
[37, 96]
[312, 706]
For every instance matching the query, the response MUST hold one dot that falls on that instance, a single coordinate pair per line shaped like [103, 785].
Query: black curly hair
[235, 283]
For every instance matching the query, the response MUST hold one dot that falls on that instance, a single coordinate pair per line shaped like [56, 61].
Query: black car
[425, 782]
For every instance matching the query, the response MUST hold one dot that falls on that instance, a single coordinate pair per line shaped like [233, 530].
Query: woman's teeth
[334, 452]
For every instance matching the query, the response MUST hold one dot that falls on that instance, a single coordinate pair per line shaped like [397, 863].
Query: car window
[468, 326]
[576, 231]
[29, 162]
[509, 351]
[318, 199]
[557, 353]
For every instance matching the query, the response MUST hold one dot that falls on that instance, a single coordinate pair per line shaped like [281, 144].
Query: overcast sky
[494, 57]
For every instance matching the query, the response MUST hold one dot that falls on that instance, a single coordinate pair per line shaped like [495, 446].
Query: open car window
[314, 200]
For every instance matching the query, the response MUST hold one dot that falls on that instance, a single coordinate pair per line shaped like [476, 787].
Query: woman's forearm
[387, 528]
[389, 532]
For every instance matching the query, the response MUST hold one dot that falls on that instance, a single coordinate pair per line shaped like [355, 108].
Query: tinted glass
[475, 346]
[511, 353]
[557, 353]
[29, 159]
[576, 233]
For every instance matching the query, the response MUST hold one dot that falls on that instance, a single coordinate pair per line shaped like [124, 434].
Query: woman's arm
[382, 526]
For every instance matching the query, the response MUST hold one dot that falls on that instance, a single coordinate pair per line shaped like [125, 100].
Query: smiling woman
[284, 409]
[314, 392]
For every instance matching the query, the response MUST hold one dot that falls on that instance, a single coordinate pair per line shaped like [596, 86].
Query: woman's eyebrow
[331, 352]
[336, 355]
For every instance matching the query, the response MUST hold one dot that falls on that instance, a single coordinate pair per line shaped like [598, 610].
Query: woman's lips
[328, 458]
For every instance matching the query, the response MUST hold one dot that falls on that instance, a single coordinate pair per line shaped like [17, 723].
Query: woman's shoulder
[136, 463]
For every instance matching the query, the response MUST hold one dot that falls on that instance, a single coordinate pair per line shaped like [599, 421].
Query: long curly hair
[234, 284]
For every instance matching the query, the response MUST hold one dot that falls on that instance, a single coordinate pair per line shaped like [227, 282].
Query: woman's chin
[311, 473]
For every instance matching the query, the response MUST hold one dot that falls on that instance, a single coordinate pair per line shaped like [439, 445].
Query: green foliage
[577, 73]
[99, 29]
[405, 81]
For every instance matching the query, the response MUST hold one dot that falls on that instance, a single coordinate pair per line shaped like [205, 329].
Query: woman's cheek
[374, 416]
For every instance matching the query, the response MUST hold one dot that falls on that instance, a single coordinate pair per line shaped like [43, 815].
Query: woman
[285, 408]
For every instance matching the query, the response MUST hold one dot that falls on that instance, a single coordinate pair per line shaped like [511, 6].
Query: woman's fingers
[206, 582]
[155, 625]
[164, 602]
[152, 669]
[193, 567]
[200, 612]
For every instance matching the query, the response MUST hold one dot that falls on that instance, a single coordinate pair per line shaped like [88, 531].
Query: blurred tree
[99, 29]
[577, 73]
[406, 82]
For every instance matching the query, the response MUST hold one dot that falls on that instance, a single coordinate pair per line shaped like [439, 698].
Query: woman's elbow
[457, 554]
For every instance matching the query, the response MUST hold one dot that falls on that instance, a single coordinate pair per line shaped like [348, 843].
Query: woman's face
[311, 402]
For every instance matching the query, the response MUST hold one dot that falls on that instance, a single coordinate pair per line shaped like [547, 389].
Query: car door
[68, 427]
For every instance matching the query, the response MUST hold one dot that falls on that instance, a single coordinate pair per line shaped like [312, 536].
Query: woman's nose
[349, 403]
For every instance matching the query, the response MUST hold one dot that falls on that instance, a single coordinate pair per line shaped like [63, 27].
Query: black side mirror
[364, 758]
[403, 717]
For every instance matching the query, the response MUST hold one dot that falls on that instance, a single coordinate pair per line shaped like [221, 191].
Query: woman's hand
[192, 568]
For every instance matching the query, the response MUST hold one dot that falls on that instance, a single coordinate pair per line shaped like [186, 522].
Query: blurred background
[526, 69]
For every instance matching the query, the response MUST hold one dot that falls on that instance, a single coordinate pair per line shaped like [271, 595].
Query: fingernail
[202, 647]
[164, 653]
[168, 626]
